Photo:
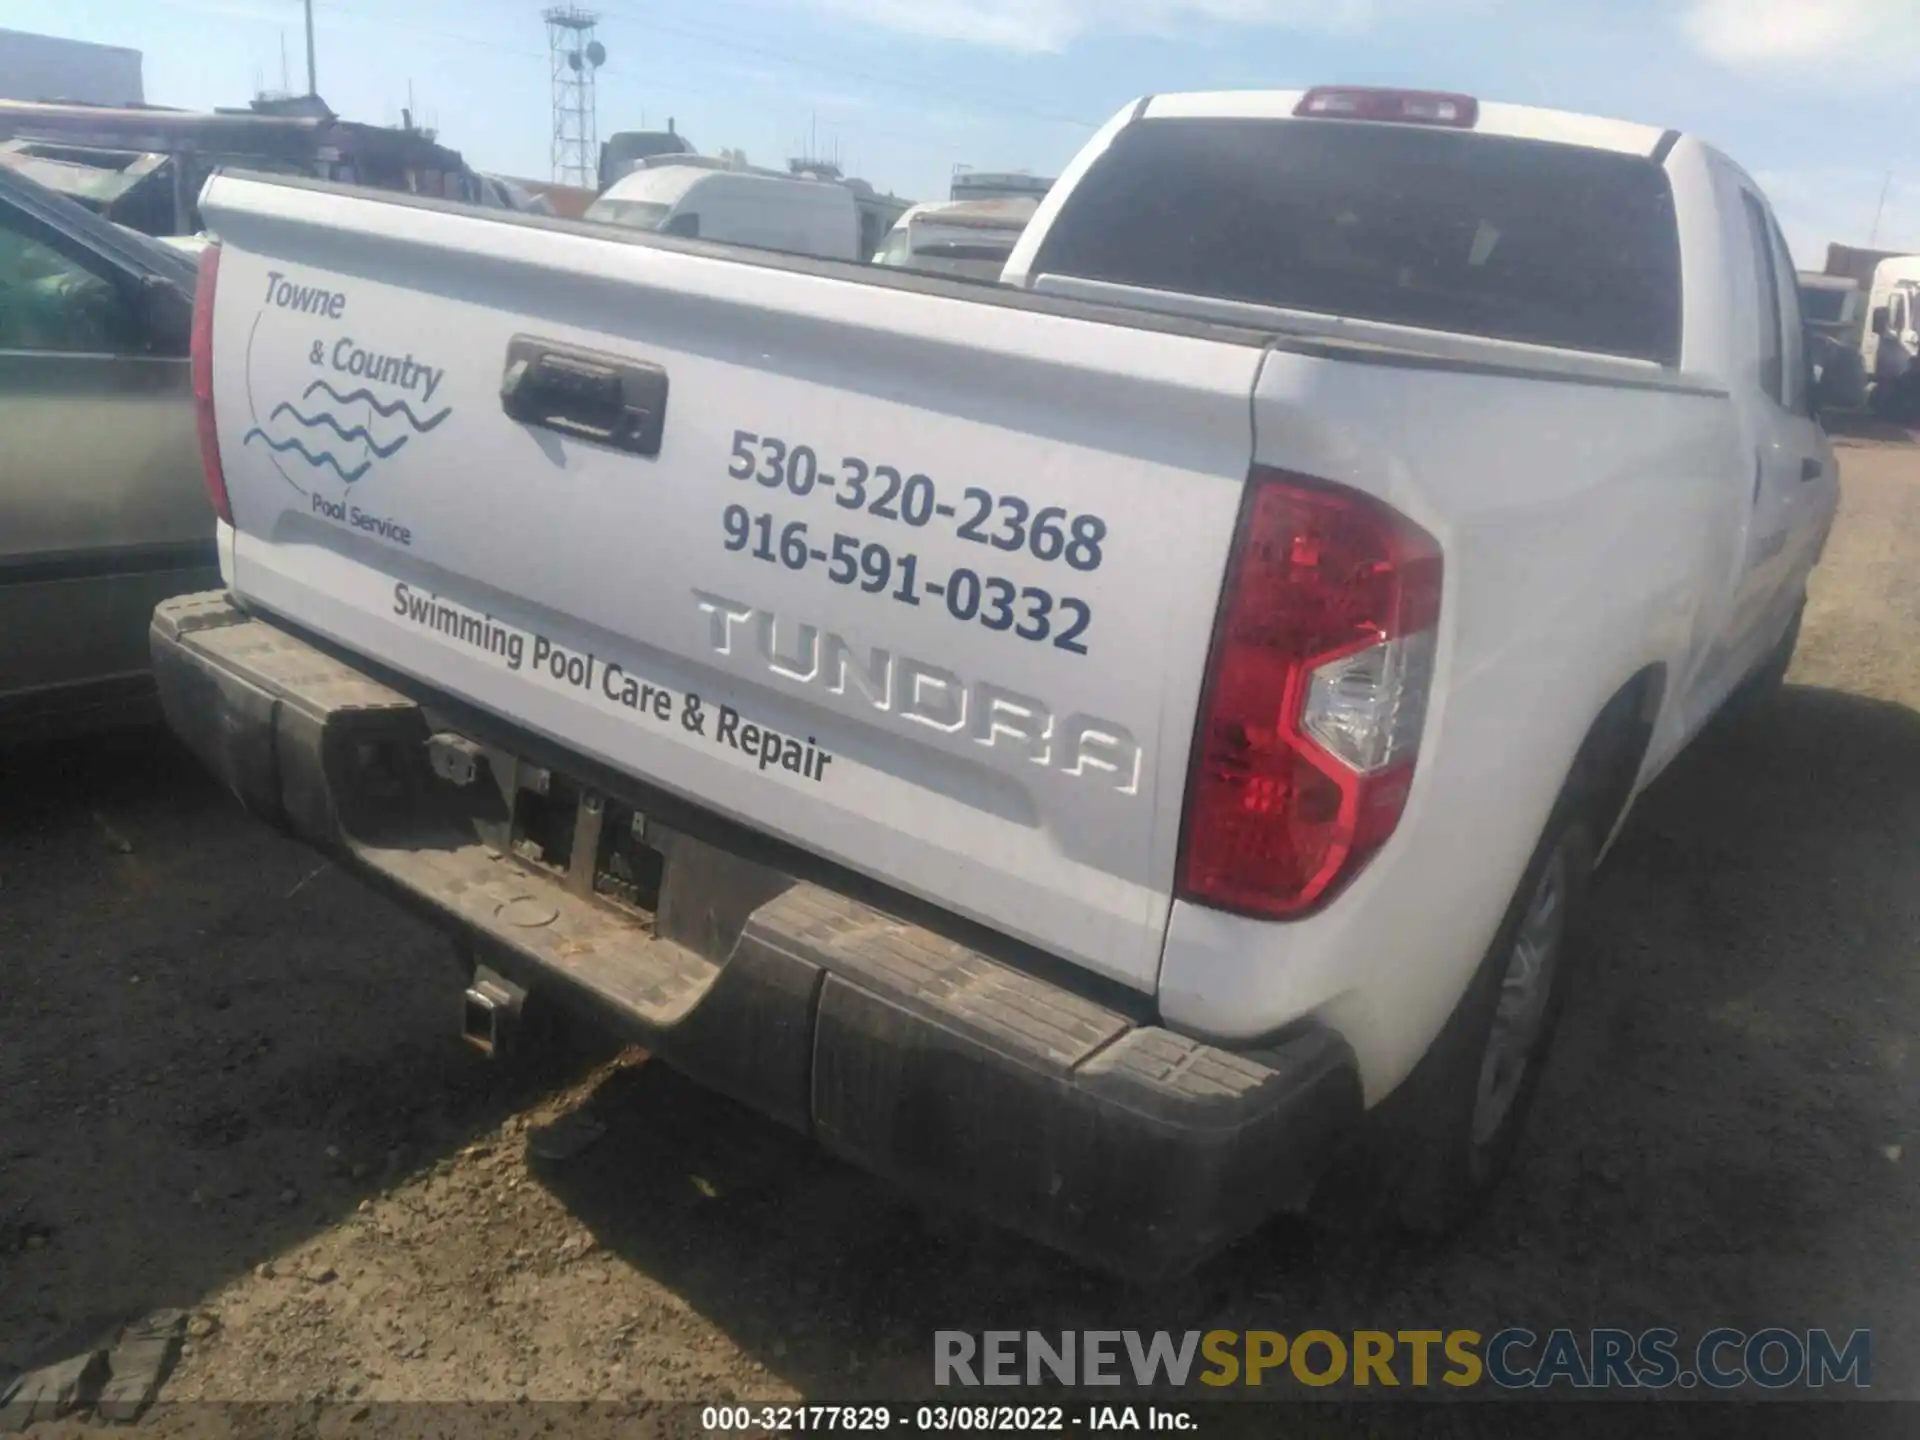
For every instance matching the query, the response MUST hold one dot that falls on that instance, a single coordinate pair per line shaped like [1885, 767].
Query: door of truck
[1792, 477]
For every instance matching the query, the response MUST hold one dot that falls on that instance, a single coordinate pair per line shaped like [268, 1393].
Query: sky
[1808, 95]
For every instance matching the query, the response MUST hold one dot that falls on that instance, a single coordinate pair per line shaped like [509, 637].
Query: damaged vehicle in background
[143, 166]
[970, 239]
[503, 193]
[102, 510]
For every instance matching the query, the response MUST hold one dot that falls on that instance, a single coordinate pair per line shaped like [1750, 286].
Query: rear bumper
[918, 1057]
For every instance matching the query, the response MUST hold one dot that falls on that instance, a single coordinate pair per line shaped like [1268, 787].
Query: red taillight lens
[1405, 107]
[203, 383]
[1316, 697]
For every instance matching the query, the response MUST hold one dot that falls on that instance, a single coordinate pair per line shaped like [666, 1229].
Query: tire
[1437, 1146]
[1766, 682]
[1759, 689]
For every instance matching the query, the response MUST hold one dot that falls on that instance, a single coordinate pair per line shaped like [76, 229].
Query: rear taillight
[1405, 107]
[203, 383]
[1316, 696]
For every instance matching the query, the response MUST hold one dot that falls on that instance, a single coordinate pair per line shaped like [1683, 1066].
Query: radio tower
[577, 57]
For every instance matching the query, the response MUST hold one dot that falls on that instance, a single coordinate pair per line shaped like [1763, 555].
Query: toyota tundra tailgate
[917, 575]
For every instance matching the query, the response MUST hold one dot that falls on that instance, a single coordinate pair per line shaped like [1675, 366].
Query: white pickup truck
[1121, 749]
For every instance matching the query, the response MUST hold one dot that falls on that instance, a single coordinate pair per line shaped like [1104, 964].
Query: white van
[970, 238]
[1892, 312]
[705, 199]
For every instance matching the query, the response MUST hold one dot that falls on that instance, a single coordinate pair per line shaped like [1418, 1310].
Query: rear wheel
[1524, 1008]
[1765, 682]
[1491, 1056]
[1758, 689]
[1440, 1142]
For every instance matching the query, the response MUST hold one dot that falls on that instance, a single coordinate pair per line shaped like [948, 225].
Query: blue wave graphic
[345, 432]
[323, 457]
[387, 409]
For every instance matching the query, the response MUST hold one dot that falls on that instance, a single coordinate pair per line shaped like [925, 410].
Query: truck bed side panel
[1589, 530]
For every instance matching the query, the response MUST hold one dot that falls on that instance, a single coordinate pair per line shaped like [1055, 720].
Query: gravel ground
[229, 1082]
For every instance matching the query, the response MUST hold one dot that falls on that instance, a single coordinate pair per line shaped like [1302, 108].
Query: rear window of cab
[1443, 229]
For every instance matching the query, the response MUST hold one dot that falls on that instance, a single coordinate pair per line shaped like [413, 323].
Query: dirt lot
[229, 1082]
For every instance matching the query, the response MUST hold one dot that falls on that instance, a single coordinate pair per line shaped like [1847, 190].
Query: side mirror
[1880, 316]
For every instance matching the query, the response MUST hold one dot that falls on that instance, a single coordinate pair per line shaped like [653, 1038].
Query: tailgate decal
[362, 409]
[557, 667]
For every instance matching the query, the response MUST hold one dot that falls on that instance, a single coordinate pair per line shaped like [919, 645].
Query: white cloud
[1053, 25]
[1874, 40]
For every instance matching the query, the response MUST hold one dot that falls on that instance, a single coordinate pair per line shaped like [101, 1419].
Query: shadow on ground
[1711, 1145]
[211, 1044]
[1868, 427]
[197, 1012]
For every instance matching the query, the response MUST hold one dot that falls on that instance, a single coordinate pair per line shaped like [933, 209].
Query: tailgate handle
[604, 398]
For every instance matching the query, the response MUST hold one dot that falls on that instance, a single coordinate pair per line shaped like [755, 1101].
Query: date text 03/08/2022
[1001, 1419]
[1051, 535]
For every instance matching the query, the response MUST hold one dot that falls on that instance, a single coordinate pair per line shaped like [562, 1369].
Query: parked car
[102, 509]
[1125, 752]
[970, 238]
[702, 199]
[143, 166]
[504, 194]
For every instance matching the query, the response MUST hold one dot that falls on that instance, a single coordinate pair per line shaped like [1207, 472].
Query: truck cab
[1892, 316]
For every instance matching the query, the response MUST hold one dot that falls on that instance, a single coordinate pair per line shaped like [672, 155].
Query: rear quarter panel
[1588, 531]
